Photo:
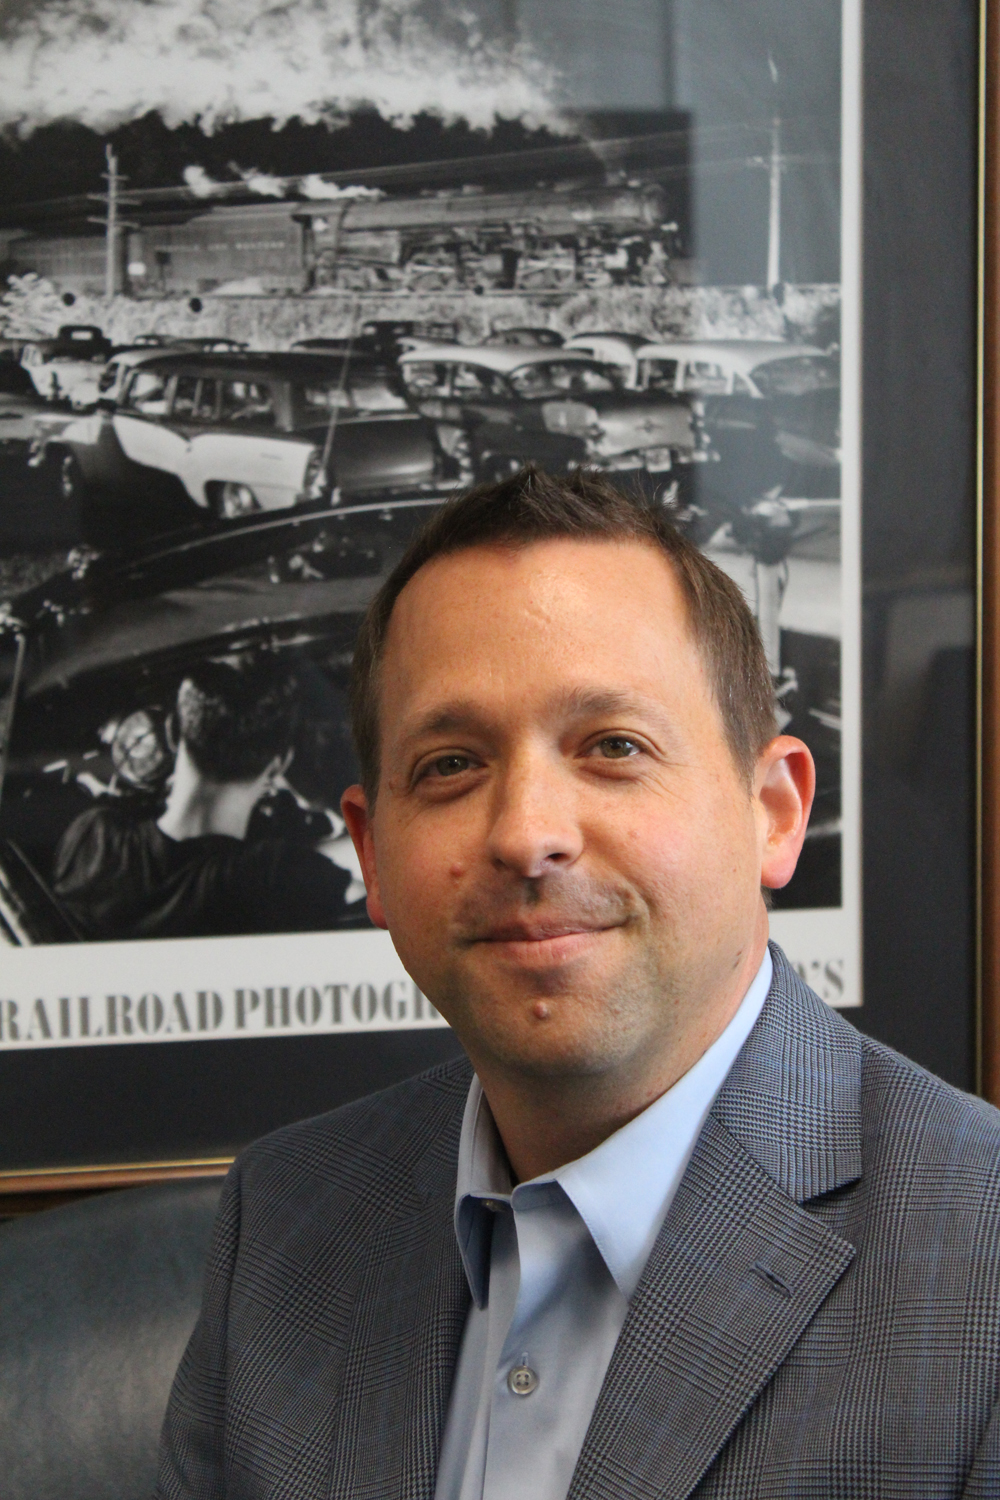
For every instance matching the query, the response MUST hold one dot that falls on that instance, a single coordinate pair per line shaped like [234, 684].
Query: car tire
[231, 501]
[72, 485]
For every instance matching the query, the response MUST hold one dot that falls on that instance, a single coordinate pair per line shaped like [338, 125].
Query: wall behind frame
[918, 521]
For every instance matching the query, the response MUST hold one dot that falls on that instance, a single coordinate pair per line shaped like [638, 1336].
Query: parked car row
[208, 426]
[240, 432]
[499, 408]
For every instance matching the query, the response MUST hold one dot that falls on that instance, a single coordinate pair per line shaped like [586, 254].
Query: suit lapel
[735, 1276]
[740, 1267]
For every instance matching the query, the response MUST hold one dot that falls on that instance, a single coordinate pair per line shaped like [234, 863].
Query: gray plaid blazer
[819, 1318]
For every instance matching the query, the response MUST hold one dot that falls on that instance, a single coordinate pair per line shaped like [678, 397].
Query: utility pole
[111, 233]
[774, 214]
[111, 220]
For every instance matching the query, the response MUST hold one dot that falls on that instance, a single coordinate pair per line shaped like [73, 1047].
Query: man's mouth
[540, 932]
[539, 944]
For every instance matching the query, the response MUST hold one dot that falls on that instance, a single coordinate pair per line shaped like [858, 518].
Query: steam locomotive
[538, 239]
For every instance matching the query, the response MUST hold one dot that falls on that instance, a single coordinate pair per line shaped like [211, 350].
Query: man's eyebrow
[585, 703]
[445, 717]
[573, 703]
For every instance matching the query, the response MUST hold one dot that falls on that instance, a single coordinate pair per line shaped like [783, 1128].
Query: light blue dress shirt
[552, 1264]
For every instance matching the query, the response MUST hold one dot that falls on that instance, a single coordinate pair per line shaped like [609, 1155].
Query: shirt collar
[624, 1187]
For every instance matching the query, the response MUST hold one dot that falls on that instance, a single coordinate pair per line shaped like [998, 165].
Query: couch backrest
[97, 1301]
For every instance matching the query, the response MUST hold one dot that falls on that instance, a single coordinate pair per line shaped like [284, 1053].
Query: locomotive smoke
[104, 62]
[265, 184]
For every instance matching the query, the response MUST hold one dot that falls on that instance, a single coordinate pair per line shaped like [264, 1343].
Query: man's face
[562, 847]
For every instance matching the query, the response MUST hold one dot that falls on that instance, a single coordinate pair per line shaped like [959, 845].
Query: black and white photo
[277, 285]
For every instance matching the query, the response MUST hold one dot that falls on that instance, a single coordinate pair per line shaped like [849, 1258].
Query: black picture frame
[100, 1116]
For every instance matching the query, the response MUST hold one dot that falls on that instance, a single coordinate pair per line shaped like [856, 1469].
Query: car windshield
[562, 377]
[376, 393]
[659, 374]
[796, 376]
[365, 392]
[426, 379]
[147, 393]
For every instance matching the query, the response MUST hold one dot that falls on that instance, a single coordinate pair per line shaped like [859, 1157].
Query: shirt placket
[538, 1241]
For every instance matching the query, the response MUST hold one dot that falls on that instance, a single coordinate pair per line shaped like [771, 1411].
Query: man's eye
[617, 747]
[448, 765]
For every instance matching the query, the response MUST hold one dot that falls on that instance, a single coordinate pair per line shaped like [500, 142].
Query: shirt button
[522, 1381]
[493, 1206]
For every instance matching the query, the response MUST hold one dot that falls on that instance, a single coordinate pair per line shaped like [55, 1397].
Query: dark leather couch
[97, 1300]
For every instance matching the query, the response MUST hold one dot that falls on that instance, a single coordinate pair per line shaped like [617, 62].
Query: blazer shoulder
[818, 1103]
[391, 1131]
[900, 1099]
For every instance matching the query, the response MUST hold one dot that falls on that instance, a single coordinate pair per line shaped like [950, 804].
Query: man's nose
[535, 826]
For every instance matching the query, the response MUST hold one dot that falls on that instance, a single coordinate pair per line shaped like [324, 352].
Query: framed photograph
[274, 293]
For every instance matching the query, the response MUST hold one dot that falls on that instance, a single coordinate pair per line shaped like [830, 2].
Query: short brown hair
[533, 506]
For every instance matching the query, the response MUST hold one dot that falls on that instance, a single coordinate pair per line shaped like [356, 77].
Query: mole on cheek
[540, 1010]
[456, 871]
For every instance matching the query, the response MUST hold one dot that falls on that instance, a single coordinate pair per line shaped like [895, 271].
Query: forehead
[543, 617]
[554, 576]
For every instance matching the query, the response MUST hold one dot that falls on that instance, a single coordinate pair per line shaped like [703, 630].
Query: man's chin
[546, 1029]
[549, 1055]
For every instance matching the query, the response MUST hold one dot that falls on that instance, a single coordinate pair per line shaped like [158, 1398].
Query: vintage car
[618, 349]
[101, 383]
[20, 409]
[167, 342]
[110, 382]
[90, 664]
[62, 368]
[524, 338]
[93, 382]
[499, 408]
[208, 344]
[78, 341]
[771, 410]
[234, 433]
[384, 338]
[146, 341]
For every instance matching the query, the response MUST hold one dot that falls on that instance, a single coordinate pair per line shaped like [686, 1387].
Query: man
[193, 871]
[684, 1231]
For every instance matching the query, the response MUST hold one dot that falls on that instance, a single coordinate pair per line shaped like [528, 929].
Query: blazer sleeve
[192, 1443]
[983, 1482]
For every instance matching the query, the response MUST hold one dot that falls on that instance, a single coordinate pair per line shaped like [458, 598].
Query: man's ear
[354, 811]
[784, 786]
